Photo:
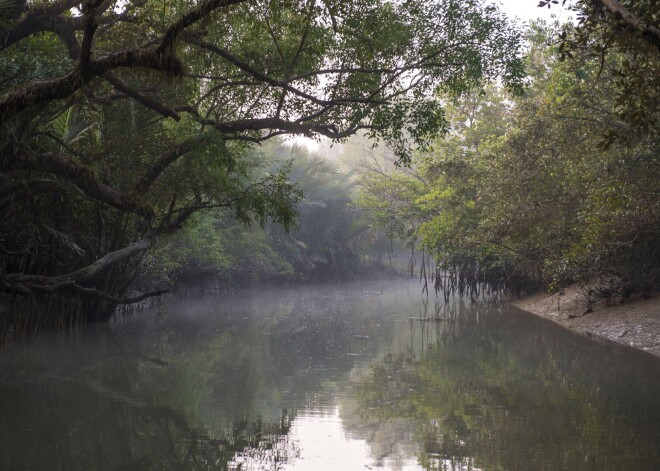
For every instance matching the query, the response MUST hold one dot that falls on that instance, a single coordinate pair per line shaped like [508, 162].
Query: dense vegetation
[331, 239]
[558, 186]
[120, 120]
[140, 145]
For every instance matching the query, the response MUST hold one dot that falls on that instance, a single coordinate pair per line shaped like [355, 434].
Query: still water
[328, 378]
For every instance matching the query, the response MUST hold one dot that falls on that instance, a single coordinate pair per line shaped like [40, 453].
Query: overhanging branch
[140, 98]
[158, 55]
[164, 161]
[115, 300]
[84, 179]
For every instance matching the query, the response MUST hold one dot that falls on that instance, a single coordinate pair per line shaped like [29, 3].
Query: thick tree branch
[140, 98]
[84, 179]
[63, 87]
[158, 57]
[297, 127]
[275, 126]
[22, 283]
[164, 161]
[28, 287]
[649, 32]
[89, 9]
[114, 300]
[40, 17]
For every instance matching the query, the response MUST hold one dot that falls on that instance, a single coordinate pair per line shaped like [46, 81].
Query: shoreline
[634, 323]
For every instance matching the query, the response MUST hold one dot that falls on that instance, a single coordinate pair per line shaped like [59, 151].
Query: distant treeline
[331, 239]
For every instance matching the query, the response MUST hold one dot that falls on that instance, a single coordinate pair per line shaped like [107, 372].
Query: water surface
[328, 378]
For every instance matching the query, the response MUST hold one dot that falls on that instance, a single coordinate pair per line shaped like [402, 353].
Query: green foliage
[624, 38]
[142, 113]
[38, 58]
[522, 194]
[197, 247]
[331, 238]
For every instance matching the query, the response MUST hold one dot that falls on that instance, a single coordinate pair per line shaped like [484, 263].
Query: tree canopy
[120, 119]
[524, 194]
[630, 32]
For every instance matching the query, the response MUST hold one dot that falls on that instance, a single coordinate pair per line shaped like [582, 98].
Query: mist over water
[328, 377]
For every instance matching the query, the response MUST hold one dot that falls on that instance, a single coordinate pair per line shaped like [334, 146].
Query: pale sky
[527, 10]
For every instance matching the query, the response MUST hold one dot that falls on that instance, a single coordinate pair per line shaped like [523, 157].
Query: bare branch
[114, 300]
[256, 74]
[53, 283]
[204, 8]
[24, 284]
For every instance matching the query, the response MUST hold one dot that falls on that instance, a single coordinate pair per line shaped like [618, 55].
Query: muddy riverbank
[634, 323]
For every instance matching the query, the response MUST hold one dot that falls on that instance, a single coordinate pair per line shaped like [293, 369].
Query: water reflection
[105, 408]
[328, 378]
[496, 389]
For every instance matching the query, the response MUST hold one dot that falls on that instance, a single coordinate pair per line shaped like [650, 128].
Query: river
[342, 377]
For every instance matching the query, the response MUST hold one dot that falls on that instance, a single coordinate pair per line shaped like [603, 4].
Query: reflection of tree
[266, 451]
[501, 391]
[186, 390]
[108, 412]
[317, 336]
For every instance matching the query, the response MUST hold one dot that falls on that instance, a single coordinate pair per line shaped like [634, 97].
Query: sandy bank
[635, 323]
